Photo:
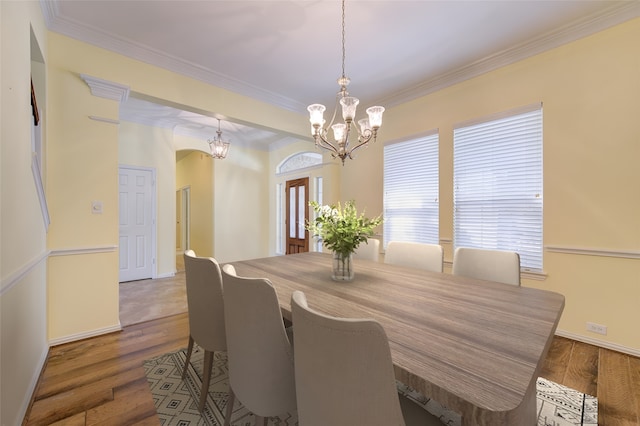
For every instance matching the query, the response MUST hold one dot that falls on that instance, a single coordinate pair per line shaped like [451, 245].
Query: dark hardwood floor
[100, 381]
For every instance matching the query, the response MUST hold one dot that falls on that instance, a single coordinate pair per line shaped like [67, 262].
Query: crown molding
[614, 15]
[126, 47]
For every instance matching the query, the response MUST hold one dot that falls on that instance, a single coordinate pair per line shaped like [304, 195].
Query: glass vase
[342, 267]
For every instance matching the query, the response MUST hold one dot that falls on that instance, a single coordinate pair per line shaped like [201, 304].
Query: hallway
[146, 300]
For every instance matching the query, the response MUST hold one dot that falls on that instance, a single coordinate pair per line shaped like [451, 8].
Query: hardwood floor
[100, 381]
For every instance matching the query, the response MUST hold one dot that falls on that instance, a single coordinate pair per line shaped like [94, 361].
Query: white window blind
[411, 191]
[497, 174]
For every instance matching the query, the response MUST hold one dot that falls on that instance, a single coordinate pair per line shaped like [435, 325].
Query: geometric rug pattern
[560, 406]
[176, 399]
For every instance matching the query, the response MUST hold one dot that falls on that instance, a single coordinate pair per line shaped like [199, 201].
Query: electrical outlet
[597, 328]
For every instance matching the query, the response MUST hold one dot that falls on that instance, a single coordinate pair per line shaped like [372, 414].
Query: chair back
[491, 265]
[415, 255]
[204, 301]
[369, 250]
[260, 355]
[343, 369]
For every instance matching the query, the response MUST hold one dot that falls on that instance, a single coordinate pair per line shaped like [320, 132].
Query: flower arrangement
[341, 228]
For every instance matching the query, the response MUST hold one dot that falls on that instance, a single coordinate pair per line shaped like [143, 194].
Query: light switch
[96, 207]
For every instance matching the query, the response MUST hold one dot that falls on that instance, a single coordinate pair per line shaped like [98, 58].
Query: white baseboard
[22, 412]
[166, 275]
[598, 342]
[86, 335]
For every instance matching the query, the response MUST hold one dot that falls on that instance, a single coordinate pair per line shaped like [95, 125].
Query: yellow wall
[82, 166]
[590, 90]
[241, 214]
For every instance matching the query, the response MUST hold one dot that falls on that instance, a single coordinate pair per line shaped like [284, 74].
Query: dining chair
[206, 313]
[260, 354]
[369, 250]
[344, 372]
[491, 265]
[415, 255]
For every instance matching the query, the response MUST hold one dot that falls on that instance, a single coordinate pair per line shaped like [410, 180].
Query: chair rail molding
[18, 275]
[83, 250]
[625, 254]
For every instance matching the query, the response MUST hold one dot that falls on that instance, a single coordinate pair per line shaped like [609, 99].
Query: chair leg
[227, 415]
[206, 373]
[186, 362]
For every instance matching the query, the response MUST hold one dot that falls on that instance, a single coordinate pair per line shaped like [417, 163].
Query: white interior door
[136, 223]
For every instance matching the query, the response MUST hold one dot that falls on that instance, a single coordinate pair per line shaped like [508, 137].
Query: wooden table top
[475, 346]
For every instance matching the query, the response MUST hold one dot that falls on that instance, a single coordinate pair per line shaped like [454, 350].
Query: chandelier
[218, 147]
[367, 127]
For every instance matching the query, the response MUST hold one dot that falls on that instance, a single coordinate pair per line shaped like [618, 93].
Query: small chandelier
[367, 127]
[218, 147]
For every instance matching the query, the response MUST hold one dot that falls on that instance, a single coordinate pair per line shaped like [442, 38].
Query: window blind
[498, 186]
[411, 191]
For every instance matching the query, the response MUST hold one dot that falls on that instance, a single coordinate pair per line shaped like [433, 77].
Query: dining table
[474, 346]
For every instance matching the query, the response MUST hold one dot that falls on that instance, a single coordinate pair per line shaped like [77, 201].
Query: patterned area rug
[176, 399]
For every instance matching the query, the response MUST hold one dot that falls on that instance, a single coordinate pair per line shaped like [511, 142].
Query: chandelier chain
[344, 54]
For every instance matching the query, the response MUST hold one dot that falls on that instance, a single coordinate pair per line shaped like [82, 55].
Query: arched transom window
[300, 161]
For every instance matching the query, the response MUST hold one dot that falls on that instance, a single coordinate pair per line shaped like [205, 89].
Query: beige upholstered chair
[369, 250]
[206, 313]
[491, 265]
[261, 373]
[414, 255]
[344, 372]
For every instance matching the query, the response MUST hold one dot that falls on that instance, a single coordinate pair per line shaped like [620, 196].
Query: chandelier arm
[323, 143]
[335, 112]
[362, 142]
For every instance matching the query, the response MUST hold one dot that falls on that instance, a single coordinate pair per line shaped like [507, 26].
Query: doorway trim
[185, 218]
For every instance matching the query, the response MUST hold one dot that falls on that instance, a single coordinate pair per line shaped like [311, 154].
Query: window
[411, 191]
[497, 177]
[299, 161]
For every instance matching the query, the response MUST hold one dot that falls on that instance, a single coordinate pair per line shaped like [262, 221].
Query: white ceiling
[288, 52]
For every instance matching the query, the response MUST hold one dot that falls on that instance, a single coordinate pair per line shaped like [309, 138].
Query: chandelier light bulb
[349, 105]
[338, 131]
[364, 125]
[375, 116]
[316, 113]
